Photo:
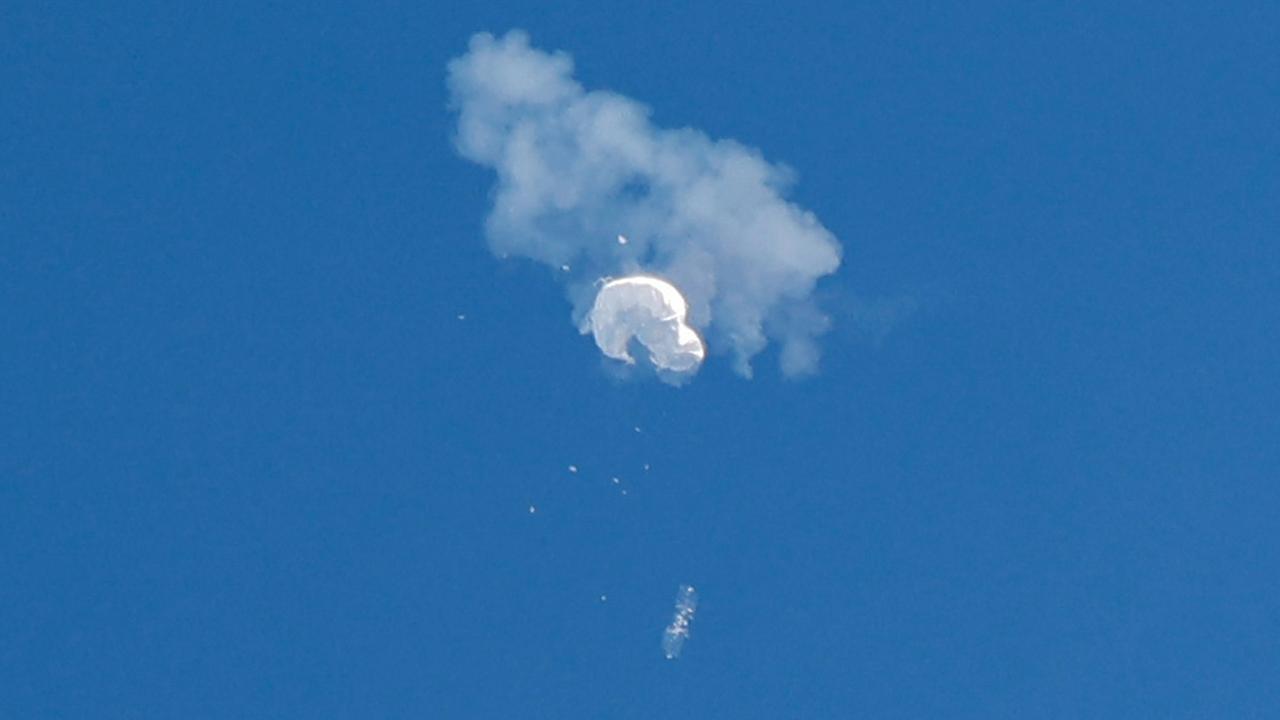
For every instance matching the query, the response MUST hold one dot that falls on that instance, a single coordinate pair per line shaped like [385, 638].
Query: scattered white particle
[637, 428]
[462, 316]
[624, 492]
[573, 468]
[616, 481]
[646, 467]
[565, 268]
[604, 598]
[622, 240]
[532, 509]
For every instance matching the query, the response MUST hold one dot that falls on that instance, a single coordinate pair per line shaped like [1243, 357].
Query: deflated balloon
[654, 313]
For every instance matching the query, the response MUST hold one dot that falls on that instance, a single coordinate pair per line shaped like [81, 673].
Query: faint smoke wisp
[576, 169]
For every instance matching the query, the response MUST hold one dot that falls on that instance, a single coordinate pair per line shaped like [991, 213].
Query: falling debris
[651, 311]
[636, 428]
[646, 467]
[462, 316]
[565, 268]
[532, 509]
[573, 468]
[622, 240]
[616, 481]
[604, 598]
[678, 631]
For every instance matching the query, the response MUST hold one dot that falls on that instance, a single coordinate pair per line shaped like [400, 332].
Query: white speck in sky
[532, 509]
[622, 240]
[573, 468]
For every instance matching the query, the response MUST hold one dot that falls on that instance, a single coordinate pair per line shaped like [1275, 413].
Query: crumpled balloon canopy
[652, 311]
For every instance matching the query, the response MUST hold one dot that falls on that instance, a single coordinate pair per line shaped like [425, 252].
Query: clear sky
[253, 465]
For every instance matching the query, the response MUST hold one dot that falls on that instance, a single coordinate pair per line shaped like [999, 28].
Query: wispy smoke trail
[576, 169]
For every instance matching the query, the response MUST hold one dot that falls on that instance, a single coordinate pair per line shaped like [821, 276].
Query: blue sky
[253, 465]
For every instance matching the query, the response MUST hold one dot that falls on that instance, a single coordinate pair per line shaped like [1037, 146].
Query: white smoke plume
[576, 169]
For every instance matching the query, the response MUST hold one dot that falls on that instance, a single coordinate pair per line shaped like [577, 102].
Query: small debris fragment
[622, 240]
[532, 509]
[573, 468]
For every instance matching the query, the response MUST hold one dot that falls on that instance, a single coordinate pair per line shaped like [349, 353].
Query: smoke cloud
[576, 169]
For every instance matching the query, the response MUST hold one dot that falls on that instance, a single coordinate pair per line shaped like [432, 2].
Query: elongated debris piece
[678, 631]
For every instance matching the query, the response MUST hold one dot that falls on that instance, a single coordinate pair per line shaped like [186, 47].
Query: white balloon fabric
[652, 311]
